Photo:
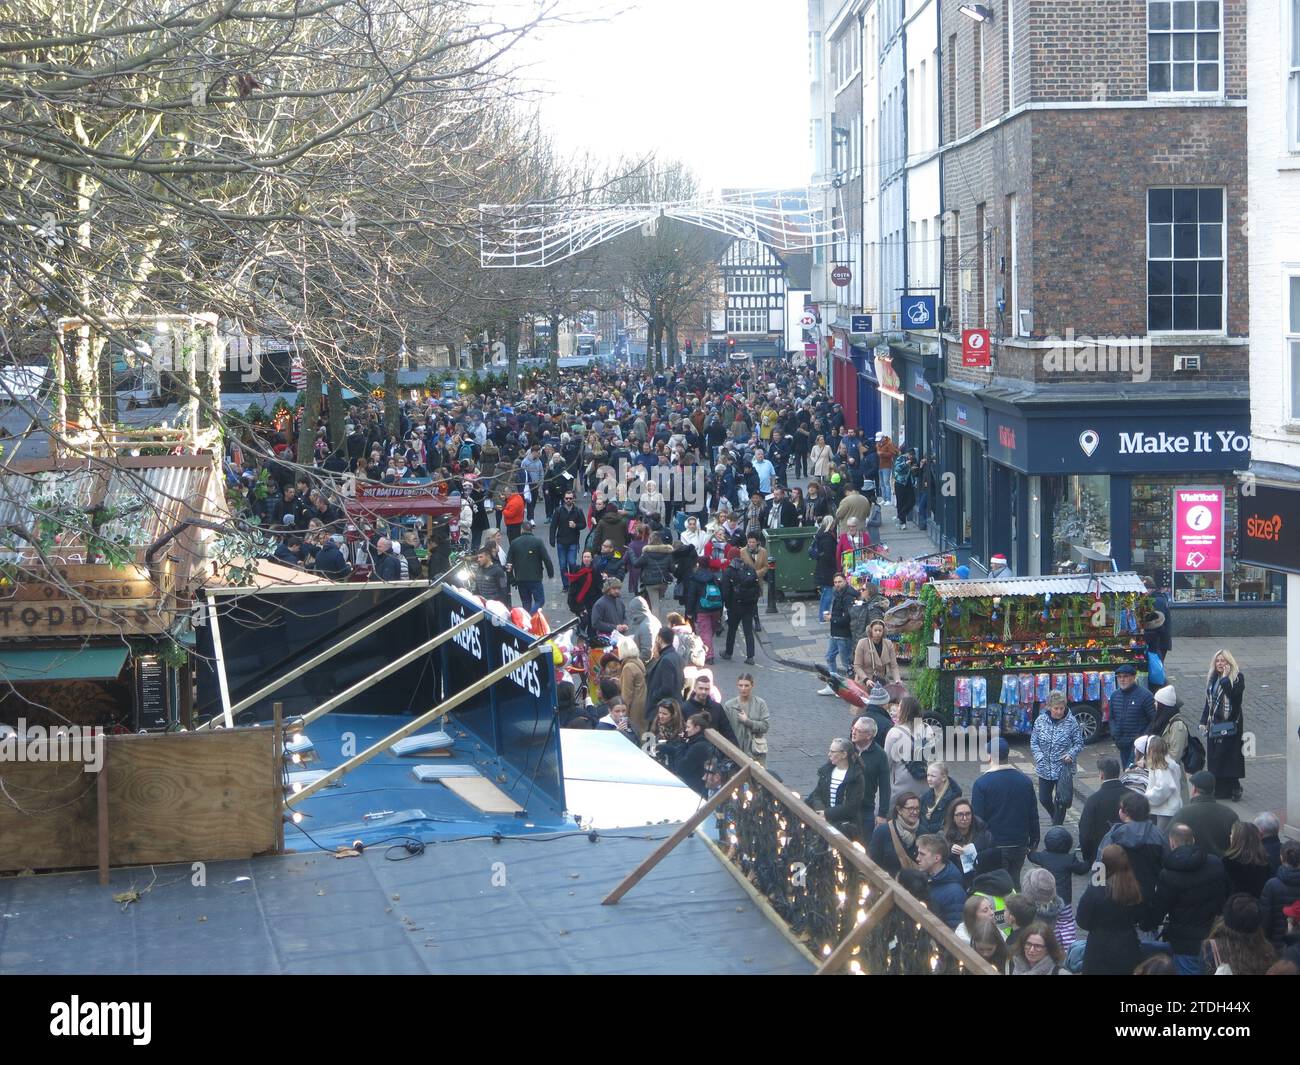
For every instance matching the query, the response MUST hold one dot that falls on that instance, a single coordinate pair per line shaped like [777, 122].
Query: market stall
[994, 650]
[407, 503]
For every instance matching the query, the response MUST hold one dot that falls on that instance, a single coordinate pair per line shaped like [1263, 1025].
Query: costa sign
[841, 276]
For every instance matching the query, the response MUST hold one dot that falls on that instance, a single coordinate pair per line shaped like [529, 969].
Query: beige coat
[751, 735]
[854, 505]
[819, 460]
[632, 678]
[868, 664]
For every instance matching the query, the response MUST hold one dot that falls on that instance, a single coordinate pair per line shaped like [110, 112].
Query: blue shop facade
[1074, 484]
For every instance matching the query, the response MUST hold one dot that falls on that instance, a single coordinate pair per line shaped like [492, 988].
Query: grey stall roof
[1057, 585]
[439, 912]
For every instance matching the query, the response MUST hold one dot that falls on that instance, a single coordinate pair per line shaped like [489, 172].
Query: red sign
[841, 276]
[887, 377]
[975, 347]
[1198, 530]
[810, 349]
[1007, 437]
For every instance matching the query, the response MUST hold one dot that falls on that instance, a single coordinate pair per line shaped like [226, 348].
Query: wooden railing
[847, 911]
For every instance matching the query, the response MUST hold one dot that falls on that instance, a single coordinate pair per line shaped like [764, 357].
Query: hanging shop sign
[890, 384]
[1198, 529]
[975, 347]
[1268, 532]
[918, 312]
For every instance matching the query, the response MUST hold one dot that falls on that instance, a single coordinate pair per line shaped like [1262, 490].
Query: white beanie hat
[1166, 696]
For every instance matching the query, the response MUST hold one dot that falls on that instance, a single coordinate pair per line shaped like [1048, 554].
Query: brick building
[1095, 223]
[1269, 509]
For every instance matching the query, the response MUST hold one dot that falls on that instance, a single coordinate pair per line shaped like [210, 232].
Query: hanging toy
[1047, 604]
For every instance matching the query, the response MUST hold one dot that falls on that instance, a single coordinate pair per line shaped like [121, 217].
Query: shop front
[1140, 486]
[844, 376]
[960, 511]
[864, 363]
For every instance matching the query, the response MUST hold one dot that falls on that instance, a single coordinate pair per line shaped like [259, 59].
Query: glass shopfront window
[1196, 572]
[1080, 522]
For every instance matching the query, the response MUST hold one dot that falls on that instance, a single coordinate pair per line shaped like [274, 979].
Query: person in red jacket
[512, 515]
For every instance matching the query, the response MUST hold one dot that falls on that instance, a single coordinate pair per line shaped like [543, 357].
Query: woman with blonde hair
[1222, 723]
[632, 678]
[1164, 782]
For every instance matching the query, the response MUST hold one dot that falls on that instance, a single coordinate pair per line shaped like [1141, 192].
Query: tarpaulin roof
[1062, 585]
[92, 663]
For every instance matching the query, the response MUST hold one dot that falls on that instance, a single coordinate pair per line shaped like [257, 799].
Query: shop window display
[1080, 522]
[1152, 518]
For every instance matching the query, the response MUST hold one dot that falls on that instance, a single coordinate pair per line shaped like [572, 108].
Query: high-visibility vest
[999, 912]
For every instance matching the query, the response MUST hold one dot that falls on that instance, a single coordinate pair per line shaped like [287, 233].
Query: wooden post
[875, 876]
[837, 958]
[101, 808]
[662, 851]
[277, 774]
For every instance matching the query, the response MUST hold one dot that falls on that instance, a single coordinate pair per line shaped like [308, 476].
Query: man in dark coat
[330, 561]
[691, 757]
[701, 701]
[1132, 709]
[1189, 894]
[1210, 821]
[388, 566]
[875, 768]
[1003, 798]
[490, 580]
[1146, 846]
[524, 561]
[947, 896]
[1102, 808]
[667, 673]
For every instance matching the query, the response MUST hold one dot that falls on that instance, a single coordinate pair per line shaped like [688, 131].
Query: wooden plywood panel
[483, 795]
[172, 798]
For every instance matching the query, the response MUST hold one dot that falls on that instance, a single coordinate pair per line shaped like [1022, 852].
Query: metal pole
[220, 657]
[328, 653]
[415, 724]
[388, 670]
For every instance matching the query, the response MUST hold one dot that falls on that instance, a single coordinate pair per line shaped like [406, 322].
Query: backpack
[711, 597]
[1193, 760]
[748, 589]
[916, 767]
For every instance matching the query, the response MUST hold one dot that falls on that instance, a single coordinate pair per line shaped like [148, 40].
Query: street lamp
[978, 12]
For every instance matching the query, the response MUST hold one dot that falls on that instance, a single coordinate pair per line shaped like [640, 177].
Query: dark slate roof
[438, 912]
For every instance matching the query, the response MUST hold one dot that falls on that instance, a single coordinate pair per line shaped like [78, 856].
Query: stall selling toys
[994, 650]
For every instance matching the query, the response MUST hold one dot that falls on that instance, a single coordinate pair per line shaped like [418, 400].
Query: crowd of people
[658, 494]
[1175, 881]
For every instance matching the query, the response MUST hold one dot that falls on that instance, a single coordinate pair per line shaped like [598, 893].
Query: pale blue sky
[720, 84]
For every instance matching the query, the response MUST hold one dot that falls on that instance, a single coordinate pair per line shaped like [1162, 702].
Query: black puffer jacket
[491, 582]
[1190, 892]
